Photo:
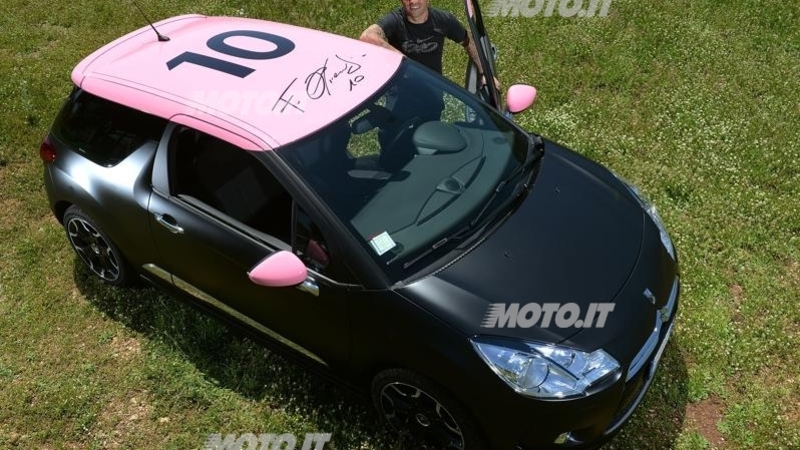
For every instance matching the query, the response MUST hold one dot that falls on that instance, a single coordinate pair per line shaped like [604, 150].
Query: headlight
[648, 206]
[546, 371]
[653, 213]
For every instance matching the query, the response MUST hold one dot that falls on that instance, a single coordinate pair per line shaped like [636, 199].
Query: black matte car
[311, 189]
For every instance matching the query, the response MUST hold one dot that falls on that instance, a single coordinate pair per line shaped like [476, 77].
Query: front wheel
[424, 413]
[94, 248]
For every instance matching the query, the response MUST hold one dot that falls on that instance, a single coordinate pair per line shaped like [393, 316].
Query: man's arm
[472, 51]
[374, 35]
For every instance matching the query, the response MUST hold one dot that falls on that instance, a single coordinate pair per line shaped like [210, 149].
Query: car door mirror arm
[309, 286]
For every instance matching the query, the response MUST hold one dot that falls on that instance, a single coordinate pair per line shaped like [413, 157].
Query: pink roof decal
[254, 83]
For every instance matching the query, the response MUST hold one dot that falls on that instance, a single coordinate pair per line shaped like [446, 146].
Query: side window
[308, 242]
[235, 183]
[103, 131]
[454, 110]
[364, 142]
[230, 180]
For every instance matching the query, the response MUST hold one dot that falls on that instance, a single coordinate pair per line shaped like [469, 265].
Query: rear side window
[103, 131]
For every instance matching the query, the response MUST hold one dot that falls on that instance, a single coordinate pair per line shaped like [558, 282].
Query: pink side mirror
[281, 269]
[519, 97]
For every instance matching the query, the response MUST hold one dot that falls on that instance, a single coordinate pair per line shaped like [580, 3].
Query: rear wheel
[94, 248]
[424, 413]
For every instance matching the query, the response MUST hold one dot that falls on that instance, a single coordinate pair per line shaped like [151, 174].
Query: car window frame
[161, 185]
[91, 152]
[454, 250]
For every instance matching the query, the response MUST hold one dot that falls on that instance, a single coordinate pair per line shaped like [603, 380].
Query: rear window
[103, 131]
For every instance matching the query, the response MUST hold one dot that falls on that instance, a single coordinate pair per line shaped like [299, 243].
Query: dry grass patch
[123, 419]
[125, 348]
[703, 416]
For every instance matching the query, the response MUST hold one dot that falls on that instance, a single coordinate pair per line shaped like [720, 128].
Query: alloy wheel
[410, 410]
[93, 249]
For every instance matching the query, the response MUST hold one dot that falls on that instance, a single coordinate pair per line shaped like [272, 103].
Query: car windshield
[412, 168]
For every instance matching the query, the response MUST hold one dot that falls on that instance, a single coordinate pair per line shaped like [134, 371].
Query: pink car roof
[254, 83]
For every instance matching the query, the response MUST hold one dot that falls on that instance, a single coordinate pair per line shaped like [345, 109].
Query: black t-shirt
[422, 42]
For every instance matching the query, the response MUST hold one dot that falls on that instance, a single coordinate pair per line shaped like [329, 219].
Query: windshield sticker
[382, 243]
[340, 73]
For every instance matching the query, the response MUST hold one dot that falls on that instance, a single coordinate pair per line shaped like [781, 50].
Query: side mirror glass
[519, 97]
[281, 269]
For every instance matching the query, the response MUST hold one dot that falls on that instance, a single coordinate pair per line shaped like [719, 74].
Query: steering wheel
[391, 156]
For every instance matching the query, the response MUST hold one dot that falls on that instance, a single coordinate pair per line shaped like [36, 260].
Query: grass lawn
[697, 102]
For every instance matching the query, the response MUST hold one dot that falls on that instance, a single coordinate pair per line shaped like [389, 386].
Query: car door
[215, 213]
[487, 54]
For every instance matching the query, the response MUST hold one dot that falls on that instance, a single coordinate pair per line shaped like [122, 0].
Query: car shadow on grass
[658, 422]
[235, 362]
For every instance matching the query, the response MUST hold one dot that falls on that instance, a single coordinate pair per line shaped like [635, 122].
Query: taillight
[47, 152]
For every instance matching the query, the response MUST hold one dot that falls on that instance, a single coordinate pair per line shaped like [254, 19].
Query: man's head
[416, 10]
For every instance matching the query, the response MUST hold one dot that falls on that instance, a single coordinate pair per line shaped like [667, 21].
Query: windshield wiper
[457, 235]
[530, 159]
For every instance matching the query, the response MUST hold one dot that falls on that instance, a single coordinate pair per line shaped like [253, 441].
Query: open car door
[487, 54]
[518, 96]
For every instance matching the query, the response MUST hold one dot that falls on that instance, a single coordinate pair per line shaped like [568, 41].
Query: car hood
[576, 238]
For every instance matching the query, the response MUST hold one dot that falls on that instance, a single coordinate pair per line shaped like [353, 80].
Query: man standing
[418, 31]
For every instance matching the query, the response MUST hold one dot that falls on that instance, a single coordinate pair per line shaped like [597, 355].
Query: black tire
[95, 249]
[424, 413]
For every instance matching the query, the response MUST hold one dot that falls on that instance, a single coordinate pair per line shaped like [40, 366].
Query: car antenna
[161, 37]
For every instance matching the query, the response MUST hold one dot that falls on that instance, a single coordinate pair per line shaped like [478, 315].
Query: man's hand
[472, 51]
[374, 35]
[496, 83]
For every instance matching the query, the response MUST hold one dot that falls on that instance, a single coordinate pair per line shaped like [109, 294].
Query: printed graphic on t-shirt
[422, 42]
[420, 46]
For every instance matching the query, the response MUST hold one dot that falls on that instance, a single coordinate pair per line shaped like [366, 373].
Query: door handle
[167, 222]
[309, 287]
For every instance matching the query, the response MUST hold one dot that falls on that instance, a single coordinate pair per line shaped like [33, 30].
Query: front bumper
[633, 389]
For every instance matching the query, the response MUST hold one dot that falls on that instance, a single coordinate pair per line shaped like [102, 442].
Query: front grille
[638, 380]
[644, 353]
[669, 308]
[662, 316]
